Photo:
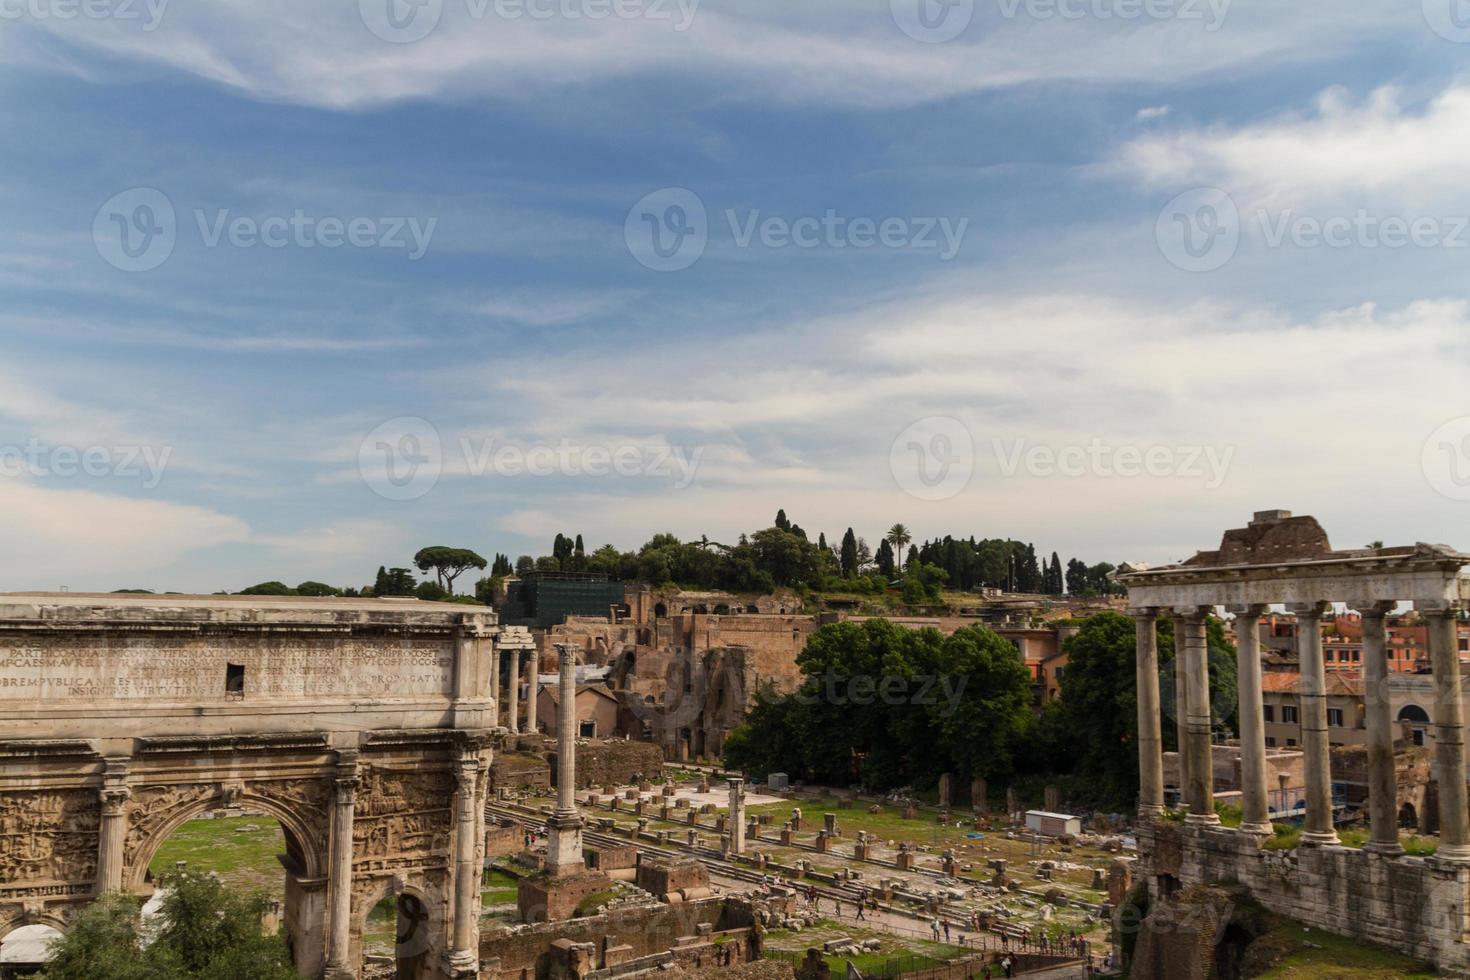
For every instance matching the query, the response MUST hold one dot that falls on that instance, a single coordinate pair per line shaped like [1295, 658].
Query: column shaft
[1382, 790]
[1255, 806]
[1316, 750]
[1150, 736]
[513, 722]
[1449, 736]
[533, 687]
[1198, 723]
[566, 725]
[737, 815]
[1181, 712]
[495, 684]
[110, 838]
[339, 876]
[464, 957]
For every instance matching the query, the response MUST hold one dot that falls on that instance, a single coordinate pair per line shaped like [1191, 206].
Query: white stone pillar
[339, 873]
[1150, 734]
[495, 683]
[1449, 731]
[1316, 750]
[464, 956]
[1198, 727]
[564, 853]
[112, 831]
[514, 706]
[1255, 804]
[1378, 711]
[533, 688]
[736, 821]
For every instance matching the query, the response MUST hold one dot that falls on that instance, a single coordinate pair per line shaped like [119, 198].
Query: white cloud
[824, 50]
[1151, 112]
[89, 540]
[1375, 147]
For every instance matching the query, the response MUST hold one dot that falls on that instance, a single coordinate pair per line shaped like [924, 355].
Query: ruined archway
[411, 925]
[363, 727]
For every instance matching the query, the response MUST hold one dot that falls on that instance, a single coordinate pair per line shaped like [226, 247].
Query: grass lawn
[497, 888]
[243, 859]
[1293, 952]
[916, 953]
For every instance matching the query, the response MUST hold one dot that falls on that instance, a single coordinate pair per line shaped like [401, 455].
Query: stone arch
[660, 611]
[421, 948]
[1413, 713]
[1408, 817]
[51, 918]
[297, 829]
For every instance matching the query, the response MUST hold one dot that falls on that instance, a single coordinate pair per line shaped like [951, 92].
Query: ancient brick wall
[1415, 905]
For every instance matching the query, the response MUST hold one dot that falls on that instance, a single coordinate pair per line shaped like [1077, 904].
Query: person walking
[934, 928]
[861, 917]
[946, 930]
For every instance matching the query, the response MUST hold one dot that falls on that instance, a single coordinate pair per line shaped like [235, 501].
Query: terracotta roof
[1283, 682]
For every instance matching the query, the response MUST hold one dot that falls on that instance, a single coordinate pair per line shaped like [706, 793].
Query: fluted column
[1382, 786]
[514, 721]
[533, 686]
[1198, 727]
[1255, 806]
[464, 956]
[564, 853]
[1150, 733]
[339, 875]
[1449, 732]
[1316, 750]
[112, 831]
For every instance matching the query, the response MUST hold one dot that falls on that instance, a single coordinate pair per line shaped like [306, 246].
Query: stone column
[533, 686]
[514, 705]
[464, 956]
[1316, 751]
[112, 831]
[1150, 737]
[1255, 804]
[564, 853]
[495, 683]
[339, 872]
[1181, 711]
[737, 816]
[1191, 625]
[1449, 731]
[1382, 789]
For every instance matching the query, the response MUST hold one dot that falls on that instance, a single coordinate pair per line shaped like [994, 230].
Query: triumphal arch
[363, 725]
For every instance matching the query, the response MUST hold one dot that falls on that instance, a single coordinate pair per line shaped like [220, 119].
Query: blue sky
[987, 316]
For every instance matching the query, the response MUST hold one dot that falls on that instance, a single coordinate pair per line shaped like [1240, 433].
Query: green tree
[447, 564]
[269, 588]
[884, 560]
[849, 559]
[317, 589]
[898, 537]
[205, 932]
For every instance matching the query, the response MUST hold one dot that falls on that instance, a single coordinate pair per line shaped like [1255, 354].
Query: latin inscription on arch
[58, 669]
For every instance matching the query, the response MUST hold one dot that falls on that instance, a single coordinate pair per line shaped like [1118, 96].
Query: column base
[1315, 838]
[339, 973]
[462, 965]
[1150, 813]
[1202, 819]
[1259, 829]
[1384, 849]
[1453, 853]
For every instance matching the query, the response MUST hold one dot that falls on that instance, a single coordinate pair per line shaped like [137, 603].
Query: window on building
[1269, 712]
[1270, 741]
[235, 680]
[1334, 717]
[587, 729]
[1291, 743]
[1288, 715]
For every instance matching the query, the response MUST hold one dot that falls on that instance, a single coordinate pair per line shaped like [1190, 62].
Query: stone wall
[1415, 905]
[619, 935]
[515, 770]
[615, 761]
